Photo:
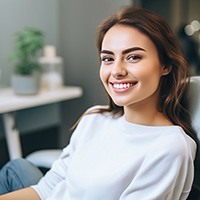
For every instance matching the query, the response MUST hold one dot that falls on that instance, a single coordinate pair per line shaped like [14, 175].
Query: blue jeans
[18, 174]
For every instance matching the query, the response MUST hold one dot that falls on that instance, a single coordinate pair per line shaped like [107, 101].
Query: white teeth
[122, 85]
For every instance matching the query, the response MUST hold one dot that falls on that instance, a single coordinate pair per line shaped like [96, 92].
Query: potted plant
[26, 76]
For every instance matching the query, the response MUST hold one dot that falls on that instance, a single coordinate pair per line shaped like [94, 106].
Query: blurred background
[70, 26]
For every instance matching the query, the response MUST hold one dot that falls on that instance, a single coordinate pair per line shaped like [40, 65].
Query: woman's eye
[134, 58]
[107, 59]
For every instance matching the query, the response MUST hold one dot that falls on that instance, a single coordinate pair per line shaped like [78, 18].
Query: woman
[141, 146]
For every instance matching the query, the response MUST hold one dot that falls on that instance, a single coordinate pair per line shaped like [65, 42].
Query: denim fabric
[17, 174]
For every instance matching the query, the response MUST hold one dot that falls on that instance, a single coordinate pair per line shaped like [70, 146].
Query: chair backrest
[194, 108]
[194, 103]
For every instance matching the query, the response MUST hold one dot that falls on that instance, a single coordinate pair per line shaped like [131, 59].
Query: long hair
[173, 86]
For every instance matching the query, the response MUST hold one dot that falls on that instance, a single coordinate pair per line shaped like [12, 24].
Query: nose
[119, 69]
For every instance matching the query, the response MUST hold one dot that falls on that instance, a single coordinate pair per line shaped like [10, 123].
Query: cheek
[103, 75]
[150, 76]
[152, 84]
[149, 69]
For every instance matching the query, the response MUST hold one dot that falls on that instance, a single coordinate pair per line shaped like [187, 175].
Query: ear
[166, 70]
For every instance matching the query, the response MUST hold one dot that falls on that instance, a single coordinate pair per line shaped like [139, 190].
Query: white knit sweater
[112, 159]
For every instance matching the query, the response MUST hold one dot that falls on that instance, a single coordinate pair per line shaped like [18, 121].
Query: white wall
[15, 15]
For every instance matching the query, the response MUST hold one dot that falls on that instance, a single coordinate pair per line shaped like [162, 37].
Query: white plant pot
[25, 84]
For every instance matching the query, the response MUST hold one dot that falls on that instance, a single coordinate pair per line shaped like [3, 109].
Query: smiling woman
[129, 58]
[141, 145]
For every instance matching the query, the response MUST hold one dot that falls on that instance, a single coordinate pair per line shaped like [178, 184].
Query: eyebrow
[124, 51]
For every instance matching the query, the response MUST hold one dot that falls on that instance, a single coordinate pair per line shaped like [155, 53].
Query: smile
[123, 85]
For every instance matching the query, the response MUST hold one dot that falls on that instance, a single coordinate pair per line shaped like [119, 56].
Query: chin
[119, 103]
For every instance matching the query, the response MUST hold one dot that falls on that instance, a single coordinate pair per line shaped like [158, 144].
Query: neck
[145, 115]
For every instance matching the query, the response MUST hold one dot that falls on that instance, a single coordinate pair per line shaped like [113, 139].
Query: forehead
[122, 37]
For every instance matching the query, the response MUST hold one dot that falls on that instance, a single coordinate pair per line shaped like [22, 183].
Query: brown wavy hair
[173, 87]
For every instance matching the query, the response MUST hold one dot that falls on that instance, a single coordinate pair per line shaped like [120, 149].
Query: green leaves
[26, 68]
[28, 43]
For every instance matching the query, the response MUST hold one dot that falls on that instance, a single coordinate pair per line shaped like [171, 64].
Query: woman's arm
[23, 194]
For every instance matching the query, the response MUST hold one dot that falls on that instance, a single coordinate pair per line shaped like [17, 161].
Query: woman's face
[130, 67]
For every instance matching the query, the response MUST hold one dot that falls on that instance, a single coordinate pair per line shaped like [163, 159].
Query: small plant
[28, 43]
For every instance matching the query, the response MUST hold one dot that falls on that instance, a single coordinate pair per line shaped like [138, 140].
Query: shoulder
[93, 117]
[93, 113]
[175, 143]
[91, 124]
[96, 108]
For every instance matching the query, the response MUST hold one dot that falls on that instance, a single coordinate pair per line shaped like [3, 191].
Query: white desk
[9, 103]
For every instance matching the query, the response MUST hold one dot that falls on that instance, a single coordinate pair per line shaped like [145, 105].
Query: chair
[194, 108]
[194, 102]
[44, 158]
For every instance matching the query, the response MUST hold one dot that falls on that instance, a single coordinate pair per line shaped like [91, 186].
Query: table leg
[12, 136]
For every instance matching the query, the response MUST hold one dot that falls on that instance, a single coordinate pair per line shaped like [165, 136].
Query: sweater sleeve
[165, 174]
[59, 169]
